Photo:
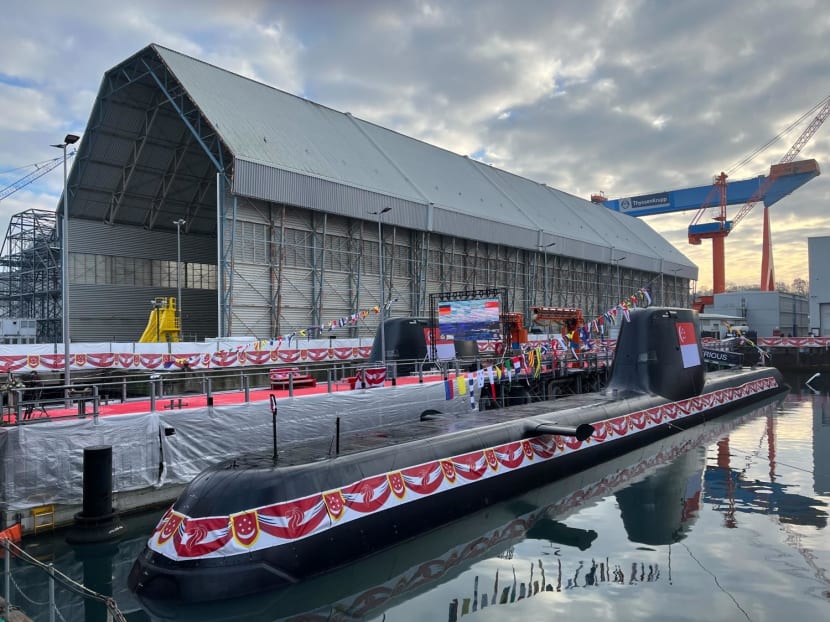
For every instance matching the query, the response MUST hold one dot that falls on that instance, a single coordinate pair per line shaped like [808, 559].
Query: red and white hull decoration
[180, 537]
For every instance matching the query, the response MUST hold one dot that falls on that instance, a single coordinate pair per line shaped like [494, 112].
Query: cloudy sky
[624, 97]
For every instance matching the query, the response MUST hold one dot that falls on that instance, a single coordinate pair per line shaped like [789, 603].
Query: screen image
[472, 320]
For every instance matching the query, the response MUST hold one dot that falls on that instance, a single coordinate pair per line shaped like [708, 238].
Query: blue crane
[737, 192]
[783, 178]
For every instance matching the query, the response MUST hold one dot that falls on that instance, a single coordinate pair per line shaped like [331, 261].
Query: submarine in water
[665, 471]
[263, 522]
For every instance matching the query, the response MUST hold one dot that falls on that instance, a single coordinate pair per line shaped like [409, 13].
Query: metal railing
[169, 389]
[56, 579]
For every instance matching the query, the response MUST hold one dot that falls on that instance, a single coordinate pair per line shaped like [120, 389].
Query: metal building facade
[282, 198]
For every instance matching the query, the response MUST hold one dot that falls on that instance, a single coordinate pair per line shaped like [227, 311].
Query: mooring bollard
[97, 521]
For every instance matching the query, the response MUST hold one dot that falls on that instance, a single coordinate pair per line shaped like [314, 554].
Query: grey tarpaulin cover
[43, 462]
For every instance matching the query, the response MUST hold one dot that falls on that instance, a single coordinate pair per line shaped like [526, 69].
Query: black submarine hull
[369, 587]
[250, 525]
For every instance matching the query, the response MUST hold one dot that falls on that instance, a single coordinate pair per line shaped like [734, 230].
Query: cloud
[627, 98]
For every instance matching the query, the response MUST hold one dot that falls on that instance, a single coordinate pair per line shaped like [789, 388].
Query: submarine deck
[308, 451]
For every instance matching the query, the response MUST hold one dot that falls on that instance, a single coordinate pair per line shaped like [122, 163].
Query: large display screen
[472, 320]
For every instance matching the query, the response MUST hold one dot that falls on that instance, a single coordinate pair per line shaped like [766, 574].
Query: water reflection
[821, 446]
[685, 521]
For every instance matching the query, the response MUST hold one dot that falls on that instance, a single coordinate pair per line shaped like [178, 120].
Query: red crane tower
[718, 231]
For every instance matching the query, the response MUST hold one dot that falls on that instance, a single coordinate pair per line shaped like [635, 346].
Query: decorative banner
[179, 537]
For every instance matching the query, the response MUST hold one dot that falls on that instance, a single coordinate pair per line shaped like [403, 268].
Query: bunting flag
[517, 364]
[597, 326]
[538, 369]
[462, 385]
[471, 387]
[448, 389]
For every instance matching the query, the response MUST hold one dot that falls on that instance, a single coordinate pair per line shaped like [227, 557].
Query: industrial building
[284, 203]
[818, 258]
[768, 314]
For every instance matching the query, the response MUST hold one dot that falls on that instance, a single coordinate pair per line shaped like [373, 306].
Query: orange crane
[722, 227]
[570, 319]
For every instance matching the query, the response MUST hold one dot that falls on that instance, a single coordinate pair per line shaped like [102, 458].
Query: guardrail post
[291, 384]
[152, 396]
[246, 384]
[18, 397]
[7, 575]
[95, 399]
[51, 570]
[420, 368]
[123, 389]
[208, 391]
[328, 374]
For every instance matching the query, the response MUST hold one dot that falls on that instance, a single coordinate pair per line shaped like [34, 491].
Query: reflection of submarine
[371, 586]
[251, 524]
[660, 509]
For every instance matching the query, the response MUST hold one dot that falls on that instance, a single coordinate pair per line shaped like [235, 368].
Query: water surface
[727, 521]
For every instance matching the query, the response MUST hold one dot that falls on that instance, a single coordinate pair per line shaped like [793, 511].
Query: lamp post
[544, 248]
[619, 282]
[674, 285]
[179, 224]
[380, 213]
[69, 139]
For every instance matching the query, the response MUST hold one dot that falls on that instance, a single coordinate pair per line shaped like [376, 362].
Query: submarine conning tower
[658, 352]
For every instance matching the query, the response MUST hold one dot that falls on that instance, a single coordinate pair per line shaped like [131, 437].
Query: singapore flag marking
[688, 344]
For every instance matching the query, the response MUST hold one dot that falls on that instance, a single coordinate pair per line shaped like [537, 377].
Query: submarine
[263, 522]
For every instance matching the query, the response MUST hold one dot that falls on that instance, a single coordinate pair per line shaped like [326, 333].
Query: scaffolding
[30, 273]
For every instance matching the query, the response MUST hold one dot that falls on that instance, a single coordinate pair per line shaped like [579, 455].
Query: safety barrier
[56, 579]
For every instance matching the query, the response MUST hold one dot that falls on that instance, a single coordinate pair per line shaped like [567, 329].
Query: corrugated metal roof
[262, 124]
[292, 150]
[275, 129]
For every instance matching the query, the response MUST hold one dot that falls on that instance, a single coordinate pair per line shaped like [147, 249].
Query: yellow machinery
[163, 324]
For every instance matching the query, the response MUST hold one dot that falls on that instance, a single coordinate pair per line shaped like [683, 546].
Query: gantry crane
[783, 178]
[718, 230]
